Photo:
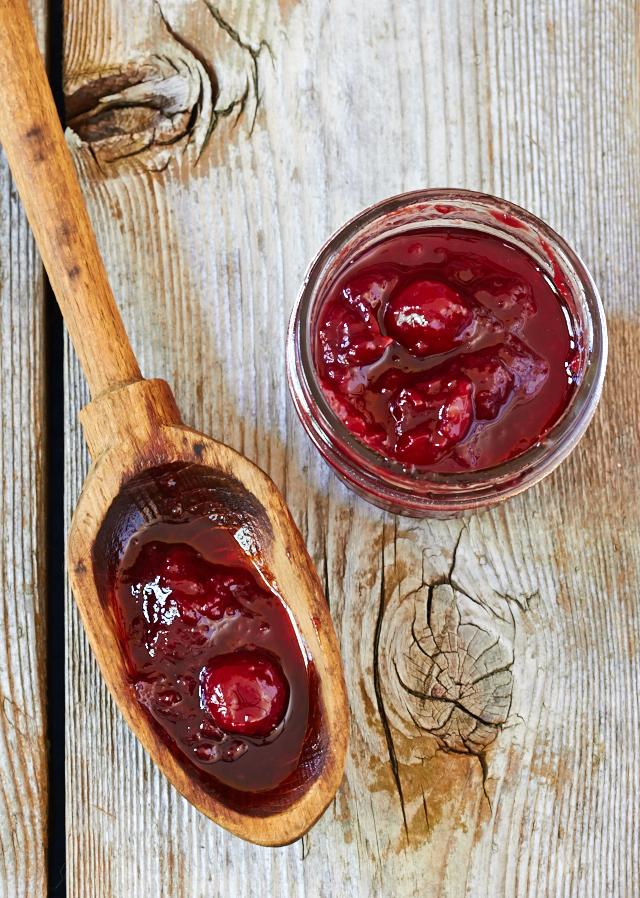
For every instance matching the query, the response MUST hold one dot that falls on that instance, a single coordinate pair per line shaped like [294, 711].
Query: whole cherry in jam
[427, 317]
[471, 351]
[245, 692]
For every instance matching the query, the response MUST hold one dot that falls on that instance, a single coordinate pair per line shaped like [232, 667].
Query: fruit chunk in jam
[427, 317]
[213, 654]
[463, 354]
[245, 692]
[350, 336]
[430, 418]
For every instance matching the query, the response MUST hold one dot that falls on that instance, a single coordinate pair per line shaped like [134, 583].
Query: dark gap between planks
[55, 562]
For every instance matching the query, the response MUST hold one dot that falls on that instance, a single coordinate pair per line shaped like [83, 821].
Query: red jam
[446, 349]
[213, 654]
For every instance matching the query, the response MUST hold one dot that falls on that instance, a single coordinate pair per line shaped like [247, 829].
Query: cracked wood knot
[154, 107]
[455, 675]
[443, 657]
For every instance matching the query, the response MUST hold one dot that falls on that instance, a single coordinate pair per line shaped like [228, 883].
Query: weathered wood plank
[535, 102]
[23, 752]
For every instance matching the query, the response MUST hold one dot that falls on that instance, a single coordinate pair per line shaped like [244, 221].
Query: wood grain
[205, 242]
[23, 751]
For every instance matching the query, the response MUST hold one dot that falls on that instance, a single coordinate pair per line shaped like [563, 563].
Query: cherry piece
[508, 297]
[427, 317]
[371, 288]
[245, 692]
[351, 336]
[492, 382]
[349, 331]
[431, 418]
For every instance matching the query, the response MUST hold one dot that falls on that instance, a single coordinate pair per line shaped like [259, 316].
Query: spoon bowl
[134, 431]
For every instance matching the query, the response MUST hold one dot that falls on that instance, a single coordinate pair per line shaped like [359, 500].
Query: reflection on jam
[213, 654]
[446, 350]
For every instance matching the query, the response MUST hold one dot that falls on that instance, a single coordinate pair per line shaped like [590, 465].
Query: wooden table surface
[218, 145]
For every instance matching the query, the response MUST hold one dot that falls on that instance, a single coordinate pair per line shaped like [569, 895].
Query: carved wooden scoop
[131, 426]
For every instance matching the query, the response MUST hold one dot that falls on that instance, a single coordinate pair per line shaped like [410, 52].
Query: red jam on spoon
[446, 349]
[215, 658]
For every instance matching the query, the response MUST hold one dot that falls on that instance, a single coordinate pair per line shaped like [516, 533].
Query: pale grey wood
[538, 103]
[23, 749]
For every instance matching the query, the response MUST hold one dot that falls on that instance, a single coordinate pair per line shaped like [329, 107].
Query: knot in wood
[154, 103]
[455, 676]
[168, 98]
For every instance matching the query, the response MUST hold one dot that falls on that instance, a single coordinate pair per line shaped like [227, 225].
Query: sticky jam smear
[214, 656]
[446, 350]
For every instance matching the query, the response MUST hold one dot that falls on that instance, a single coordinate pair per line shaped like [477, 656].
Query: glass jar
[388, 484]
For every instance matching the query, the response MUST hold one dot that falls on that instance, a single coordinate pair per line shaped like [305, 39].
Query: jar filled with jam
[447, 351]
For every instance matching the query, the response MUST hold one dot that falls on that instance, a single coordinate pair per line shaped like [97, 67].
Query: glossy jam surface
[446, 350]
[213, 654]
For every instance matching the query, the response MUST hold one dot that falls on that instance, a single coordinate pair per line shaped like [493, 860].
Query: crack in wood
[393, 760]
[450, 664]
[325, 560]
[426, 812]
[458, 670]
[254, 53]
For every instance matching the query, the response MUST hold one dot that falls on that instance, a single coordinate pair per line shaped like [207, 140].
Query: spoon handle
[32, 138]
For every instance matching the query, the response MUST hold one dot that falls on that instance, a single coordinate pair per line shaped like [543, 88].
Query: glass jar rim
[387, 483]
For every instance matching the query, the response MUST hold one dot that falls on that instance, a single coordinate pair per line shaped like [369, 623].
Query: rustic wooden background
[23, 750]
[218, 145]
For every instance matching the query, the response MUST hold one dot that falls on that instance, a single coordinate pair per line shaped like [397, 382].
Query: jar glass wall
[421, 493]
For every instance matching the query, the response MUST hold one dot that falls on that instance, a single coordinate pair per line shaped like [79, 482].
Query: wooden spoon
[132, 425]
